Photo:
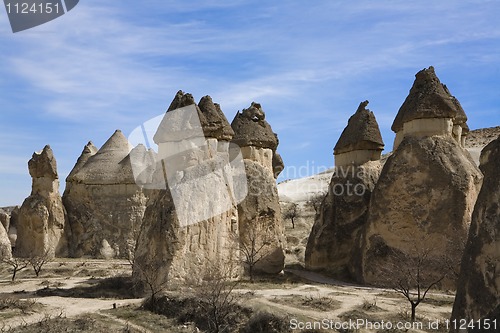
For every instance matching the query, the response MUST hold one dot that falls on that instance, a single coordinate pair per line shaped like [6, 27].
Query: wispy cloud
[108, 65]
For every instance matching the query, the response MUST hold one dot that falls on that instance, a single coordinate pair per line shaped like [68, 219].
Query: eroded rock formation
[5, 219]
[259, 214]
[105, 205]
[426, 191]
[42, 217]
[191, 224]
[5, 246]
[360, 141]
[478, 290]
[429, 110]
[256, 139]
[344, 211]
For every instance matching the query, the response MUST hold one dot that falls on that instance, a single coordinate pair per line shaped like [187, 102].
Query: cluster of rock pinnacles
[427, 197]
[428, 193]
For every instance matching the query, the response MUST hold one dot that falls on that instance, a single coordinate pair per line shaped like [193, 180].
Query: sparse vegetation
[413, 275]
[16, 264]
[253, 245]
[151, 275]
[315, 202]
[13, 303]
[38, 261]
[291, 213]
[265, 322]
[117, 287]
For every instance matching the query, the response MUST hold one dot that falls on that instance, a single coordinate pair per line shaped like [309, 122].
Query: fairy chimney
[429, 110]
[105, 205]
[360, 141]
[254, 136]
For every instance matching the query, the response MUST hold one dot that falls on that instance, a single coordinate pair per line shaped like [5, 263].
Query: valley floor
[80, 295]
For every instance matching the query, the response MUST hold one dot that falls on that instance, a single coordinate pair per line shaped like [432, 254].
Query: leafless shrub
[254, 244]
[17, 264]
[38, 261]
[217, 299]
[150, 274]
[413, 274]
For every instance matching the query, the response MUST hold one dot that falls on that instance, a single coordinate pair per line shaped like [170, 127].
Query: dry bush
[12, 303]
[16, 264]
[264, 322]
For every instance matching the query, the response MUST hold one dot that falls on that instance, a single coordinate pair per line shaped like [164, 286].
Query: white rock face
[259, 218]
[5, 219]
[5, 246]
[191, 223]
[356, 157]
[426, 127]
[42, 218]
[187, 250]
[105, 206]
[263, 156]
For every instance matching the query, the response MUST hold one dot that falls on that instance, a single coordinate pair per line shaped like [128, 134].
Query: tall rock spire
[42, 218]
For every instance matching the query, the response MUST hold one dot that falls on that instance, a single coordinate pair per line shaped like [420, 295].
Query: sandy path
[67, 307]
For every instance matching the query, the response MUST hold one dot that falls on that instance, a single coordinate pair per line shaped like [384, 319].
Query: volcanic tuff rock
[360, 141]
[343, 214]
[430, 109]
[105, 206]
[256, 139]
[208, 120]
[428, 98]
[260, 219]
[42, 217]
[362, 132]
[88, 151]
[424, 196]
[178, 251]
[260, 212]
[217, 125]
[252, 129]
[479, 283]
[5, 246]
[344, 210]
[189, 226]
[5, 219]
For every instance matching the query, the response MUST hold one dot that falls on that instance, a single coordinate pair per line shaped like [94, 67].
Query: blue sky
[110, 65]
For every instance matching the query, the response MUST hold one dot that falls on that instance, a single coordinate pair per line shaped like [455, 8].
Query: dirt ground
[73, 288]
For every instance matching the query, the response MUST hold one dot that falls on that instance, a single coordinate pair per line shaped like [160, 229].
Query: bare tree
[315, 202]
[291, 213]
[150, 272]
[38, 261]
[217, 298]
[413, 274]
[254, 244]
[17, 264]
